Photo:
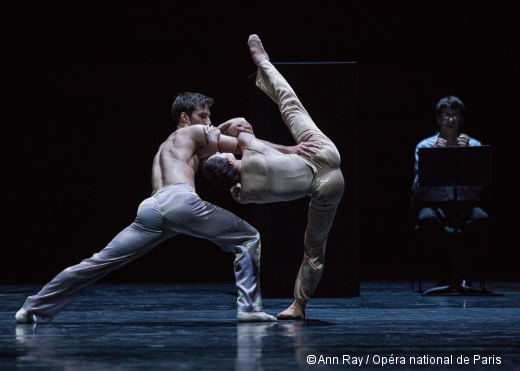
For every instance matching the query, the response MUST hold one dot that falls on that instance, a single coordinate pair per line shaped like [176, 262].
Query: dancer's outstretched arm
[232, 128]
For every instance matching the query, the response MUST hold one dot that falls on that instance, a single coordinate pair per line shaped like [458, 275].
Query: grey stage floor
[177, 327]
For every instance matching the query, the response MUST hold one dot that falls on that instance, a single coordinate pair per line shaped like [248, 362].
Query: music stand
[453, 167]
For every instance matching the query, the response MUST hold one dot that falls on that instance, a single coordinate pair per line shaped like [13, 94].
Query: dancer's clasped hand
[212, 133]
[235, 126]
[240, 127]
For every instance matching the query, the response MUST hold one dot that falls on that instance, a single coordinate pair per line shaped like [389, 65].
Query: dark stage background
[87, 90]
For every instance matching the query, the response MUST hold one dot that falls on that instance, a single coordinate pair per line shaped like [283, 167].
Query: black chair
[458, 284]
[453, 167]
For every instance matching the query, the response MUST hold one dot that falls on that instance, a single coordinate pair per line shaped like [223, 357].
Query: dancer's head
[191, 109]
[220, 171]
[450, 115]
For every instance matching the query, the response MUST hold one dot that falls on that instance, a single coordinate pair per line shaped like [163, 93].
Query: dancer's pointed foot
[295, 311]
[255, 317]
[257, 49]
[22, 316]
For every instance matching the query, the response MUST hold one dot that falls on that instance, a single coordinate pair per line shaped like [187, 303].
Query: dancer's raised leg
[295, 116]
[325, 197]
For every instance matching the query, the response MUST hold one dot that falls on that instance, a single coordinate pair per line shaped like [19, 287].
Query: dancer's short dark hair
[220, 173]
[187, 102]
[451, 102]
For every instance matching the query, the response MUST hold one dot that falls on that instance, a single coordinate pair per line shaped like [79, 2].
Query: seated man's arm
[418, 192]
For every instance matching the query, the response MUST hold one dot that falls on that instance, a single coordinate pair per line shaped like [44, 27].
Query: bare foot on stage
[295, 311]
[257, 50]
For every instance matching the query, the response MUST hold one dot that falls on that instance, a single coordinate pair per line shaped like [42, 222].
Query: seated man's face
[450, 119]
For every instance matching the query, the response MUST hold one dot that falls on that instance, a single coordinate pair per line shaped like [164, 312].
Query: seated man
[267, 175]
[173, 208]
[436, 210]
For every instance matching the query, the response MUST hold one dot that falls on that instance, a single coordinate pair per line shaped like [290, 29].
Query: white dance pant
[173, 209]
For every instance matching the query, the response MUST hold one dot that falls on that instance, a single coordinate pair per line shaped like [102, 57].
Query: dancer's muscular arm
[239, 125]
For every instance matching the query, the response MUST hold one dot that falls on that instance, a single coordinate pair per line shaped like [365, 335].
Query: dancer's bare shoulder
[185, 143]
[179, 156]
[246, 140]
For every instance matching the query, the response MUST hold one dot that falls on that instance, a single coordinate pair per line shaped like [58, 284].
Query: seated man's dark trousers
[453, 256]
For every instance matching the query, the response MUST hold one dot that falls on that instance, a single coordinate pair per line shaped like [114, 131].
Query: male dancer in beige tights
[173, 208]
[267, 175]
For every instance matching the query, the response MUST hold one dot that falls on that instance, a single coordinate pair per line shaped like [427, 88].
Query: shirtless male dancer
[266, 175]
[173, 208]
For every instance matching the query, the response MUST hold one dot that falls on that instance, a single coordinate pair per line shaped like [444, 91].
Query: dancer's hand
[305, 148]
[235, 126]
[212, 135]
[239, 127]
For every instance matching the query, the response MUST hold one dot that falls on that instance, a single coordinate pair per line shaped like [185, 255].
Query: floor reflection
[258, 343]
[250, 337]
[296, 331]
[175, 327]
